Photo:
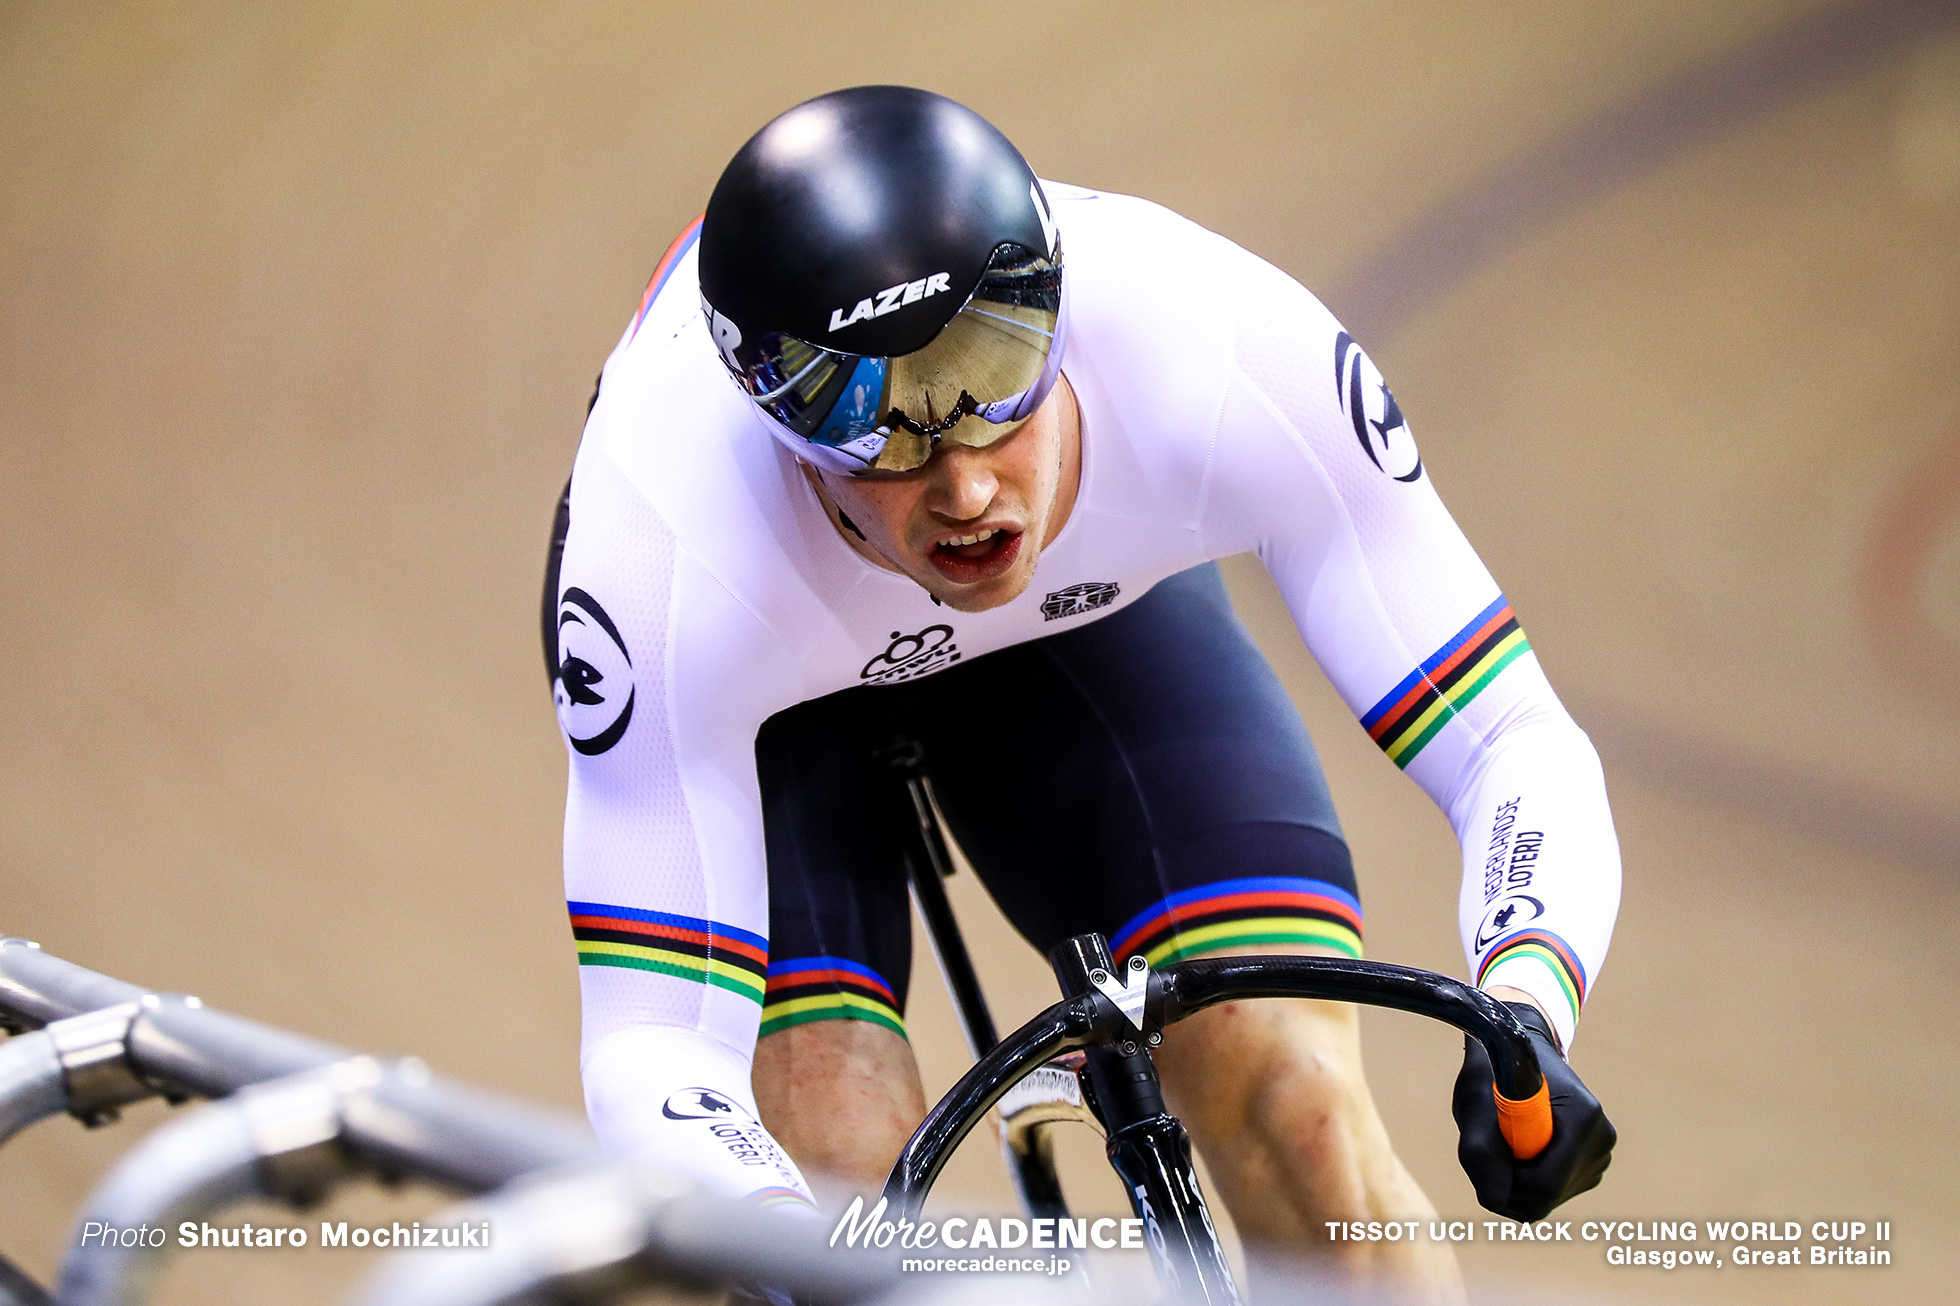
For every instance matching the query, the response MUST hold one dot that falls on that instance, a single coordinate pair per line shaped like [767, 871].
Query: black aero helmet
[880, 270]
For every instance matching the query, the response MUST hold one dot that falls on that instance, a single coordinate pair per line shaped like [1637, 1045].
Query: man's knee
[1277, 1102]
[1313, 1098]
[1272, 1074]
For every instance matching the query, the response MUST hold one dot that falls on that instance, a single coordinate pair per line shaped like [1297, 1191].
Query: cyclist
[986, 436]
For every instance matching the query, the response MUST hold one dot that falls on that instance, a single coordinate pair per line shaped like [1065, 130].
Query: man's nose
[964, 486]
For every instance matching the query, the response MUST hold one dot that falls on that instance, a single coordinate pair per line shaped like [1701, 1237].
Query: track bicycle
[1087, 1058]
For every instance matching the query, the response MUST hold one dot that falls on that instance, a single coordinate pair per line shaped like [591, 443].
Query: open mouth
[983, 555]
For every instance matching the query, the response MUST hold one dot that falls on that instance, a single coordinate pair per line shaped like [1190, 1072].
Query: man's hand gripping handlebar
[1526, 1157]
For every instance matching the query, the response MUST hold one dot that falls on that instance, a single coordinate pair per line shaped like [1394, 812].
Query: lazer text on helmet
[892, 298]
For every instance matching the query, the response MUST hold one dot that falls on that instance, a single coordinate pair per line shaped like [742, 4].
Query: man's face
[969, 526]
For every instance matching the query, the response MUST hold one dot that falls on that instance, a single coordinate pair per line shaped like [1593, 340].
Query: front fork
[1154, 1159]
[1148, 1147]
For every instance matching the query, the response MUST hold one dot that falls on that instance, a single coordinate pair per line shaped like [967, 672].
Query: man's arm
[1313, 453]
[1316, 470]
[664, 869]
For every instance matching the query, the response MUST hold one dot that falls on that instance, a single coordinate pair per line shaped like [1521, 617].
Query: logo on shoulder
[891, 299]
[1078, 599]
[594, 684]
[908, 657]
[1378, 422]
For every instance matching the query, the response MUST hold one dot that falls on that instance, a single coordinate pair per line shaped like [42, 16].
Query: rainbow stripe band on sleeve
[1237, 913]
[665, 268]
[1409, 715]
[827, 988]
[686, 947]
[1550, 951]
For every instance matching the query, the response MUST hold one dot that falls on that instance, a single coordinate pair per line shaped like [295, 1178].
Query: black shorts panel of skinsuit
[1143, 776]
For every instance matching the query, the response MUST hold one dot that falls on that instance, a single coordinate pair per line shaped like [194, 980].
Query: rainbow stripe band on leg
[686, 947]
[827, 988]
[1231, 914]
[1409, 715]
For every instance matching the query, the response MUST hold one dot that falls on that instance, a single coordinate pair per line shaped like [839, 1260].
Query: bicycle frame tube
[1147, 1145]
[932, 863]
[1030, 1160]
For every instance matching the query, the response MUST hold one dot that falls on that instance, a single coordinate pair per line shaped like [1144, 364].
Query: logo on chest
[1078, 599]
[908, 657]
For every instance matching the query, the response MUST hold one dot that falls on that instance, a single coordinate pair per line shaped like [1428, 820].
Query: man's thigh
[835, 1079]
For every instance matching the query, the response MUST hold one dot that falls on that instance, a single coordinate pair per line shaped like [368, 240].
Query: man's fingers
[1574, 1160]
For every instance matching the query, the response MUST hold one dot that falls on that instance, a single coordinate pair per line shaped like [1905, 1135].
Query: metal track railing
[293, 1117]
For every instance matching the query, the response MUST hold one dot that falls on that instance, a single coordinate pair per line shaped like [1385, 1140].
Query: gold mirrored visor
[989, 367]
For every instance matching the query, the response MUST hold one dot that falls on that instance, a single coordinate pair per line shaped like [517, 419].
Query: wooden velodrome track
[299, 307]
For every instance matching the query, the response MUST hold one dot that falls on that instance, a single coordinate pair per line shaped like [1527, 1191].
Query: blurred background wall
[300, 306]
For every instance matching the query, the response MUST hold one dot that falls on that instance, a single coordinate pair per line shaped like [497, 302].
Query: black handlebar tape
[1191, 986]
